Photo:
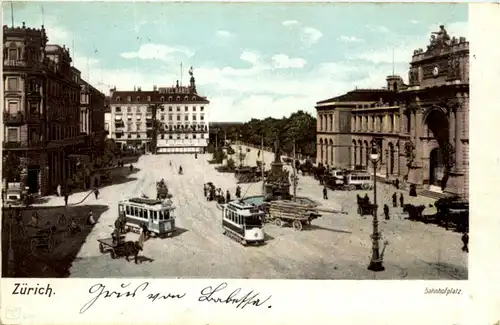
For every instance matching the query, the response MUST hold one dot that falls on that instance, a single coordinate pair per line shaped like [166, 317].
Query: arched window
[178, 98]
[169, 98]
[186, 98]
[118, 98]
[162, 99]
[194, 97]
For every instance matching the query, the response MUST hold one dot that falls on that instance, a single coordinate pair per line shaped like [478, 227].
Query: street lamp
[376, 260]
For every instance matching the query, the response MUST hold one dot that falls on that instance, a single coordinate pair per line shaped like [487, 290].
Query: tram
[243, 222]
[157, 215]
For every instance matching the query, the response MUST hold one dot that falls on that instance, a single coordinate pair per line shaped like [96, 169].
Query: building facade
[421, 128]
[41, 110]
[177, 116]
[92, 120]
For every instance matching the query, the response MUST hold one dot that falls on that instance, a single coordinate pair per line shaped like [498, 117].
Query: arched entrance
[354, 153]
[321, 150]
[391, 158]
[440, 158]
[330, 153]
[436, 167]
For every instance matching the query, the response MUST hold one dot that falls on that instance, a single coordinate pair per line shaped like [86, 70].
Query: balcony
[13, 118]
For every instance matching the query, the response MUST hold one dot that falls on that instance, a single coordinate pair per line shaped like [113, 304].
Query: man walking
[395, 200]
[386, 211]
[325, 193]
[66, 196]
[96, 193]
[401, 200]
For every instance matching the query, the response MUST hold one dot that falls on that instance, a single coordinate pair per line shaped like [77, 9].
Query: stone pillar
[458, 140]
[451, 125]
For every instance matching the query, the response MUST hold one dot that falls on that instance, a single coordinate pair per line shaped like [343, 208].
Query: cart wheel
[112, 254]
[33, 246]
[101, 248]
[365, 186]
[278, 222]
[297, 225]
[352, 187]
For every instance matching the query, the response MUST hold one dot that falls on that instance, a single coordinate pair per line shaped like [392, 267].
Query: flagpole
[12, 13]
[181, 74]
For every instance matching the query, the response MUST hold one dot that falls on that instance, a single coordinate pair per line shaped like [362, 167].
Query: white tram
[157, 215]
[243, 222]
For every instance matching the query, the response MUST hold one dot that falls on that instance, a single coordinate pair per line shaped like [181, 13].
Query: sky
[251, 60]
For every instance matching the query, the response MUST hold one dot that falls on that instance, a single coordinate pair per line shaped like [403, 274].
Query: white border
[328, 302]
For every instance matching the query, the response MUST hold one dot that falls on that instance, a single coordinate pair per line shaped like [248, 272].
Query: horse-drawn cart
[296, 214]
[115, 247]
[42, 239]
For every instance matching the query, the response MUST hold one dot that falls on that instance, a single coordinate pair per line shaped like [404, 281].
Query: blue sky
[250, 60]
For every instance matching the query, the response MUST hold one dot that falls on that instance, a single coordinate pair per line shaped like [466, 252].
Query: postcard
[236, 162]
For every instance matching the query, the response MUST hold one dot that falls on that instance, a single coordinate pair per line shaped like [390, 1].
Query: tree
[11, 168]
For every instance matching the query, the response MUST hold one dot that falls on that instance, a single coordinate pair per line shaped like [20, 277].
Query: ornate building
[92, 107]
[422, 128]
[181, 118]
[41, 110]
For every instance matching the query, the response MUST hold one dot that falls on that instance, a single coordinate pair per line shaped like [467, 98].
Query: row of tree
[299, 127]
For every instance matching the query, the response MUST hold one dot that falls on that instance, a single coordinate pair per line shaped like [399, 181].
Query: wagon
[295, 214]
[114, 247]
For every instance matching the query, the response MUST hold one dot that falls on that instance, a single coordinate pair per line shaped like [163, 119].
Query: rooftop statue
[439, 38]
[191, 71]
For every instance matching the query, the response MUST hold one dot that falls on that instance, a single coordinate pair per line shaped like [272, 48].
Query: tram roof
[241, 205]
[150, 202]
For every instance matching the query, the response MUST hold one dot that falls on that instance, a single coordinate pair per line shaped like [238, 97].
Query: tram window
[160, 215]
[136, 212]
[155, 215]
[167, 215]
[127, 208]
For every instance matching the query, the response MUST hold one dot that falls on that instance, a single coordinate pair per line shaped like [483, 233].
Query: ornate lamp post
[376, 260]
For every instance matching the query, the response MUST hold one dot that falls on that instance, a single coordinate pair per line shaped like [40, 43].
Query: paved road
[336, 247]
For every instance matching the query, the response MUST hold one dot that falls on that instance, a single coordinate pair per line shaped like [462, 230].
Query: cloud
[350, 39]
[223, 34]
[415, 22]
[283, 61]
[403, 48]
[158, 52]
[250, 57]
[308, 35]
[289, 23]
[378, 29]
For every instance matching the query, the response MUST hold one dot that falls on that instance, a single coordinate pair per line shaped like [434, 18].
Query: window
[194, 136]
[194, 117]
[170, 108]
[186, 118]
[178, 136]
[178, 108]
[170, 117]
[12, 134]
[162, 117]
[169, 98]
[202, 109]
[162, 99]
[162, 136]
[178, 117]
[202, 118]
[129, 109]
[138, 98]
[154, 214]
[12, 84]
[149, 98]
[162, 109]
[194, 97]
[12, 54]
[127, 209]
[170, 137]
[118, 109]
[129, 136]
[186, 98]
[186, 108]
[118, 98]
[129, 98]
[178, 98]
[13, 107]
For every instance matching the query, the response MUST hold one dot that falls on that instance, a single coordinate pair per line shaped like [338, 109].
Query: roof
[361, 95]
[146, 97]
[151, 202]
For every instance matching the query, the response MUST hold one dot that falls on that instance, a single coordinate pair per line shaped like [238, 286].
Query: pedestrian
[66, 197]
[204, 190]
[465, 240]
[59, 190]
[394, 200]
[325, 193]
[386, 211]
[228, 196]
[396, 183]
[90, 219]
[238, 191]
[96, 193]
[401, 200]
[131, 168]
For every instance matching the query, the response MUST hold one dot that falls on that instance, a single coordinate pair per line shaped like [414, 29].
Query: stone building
[421, 128]
[41, 110]
[92, 110]
[181, 118]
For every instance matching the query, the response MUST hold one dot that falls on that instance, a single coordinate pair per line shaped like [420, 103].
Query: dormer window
[129, 98]
[194, 97]
[118, 99]
[138, 98]
[169, 98]
[149, 98]
[178, 98]
[186, 98]
[162, 99]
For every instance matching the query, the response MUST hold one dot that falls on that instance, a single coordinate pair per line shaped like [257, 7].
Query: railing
[183, 131]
